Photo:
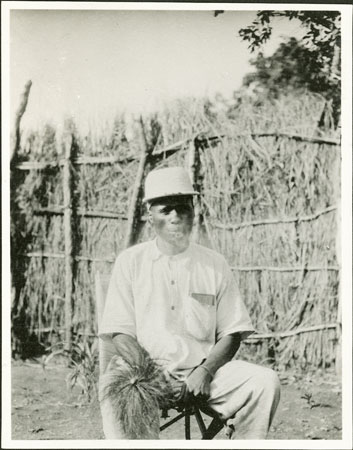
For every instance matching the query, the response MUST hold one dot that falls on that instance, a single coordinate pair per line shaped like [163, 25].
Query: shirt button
[172, 282]
[173, 307]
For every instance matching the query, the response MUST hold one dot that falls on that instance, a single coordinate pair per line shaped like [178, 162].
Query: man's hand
[129, 349]
[198, 382]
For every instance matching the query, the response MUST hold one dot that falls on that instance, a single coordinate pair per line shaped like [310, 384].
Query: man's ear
[149, 217]
[149, 214]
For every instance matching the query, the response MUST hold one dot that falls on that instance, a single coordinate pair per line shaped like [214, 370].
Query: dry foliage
[245, 178]
[136, 389]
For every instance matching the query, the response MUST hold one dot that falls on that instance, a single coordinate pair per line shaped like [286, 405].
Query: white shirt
[177, 307]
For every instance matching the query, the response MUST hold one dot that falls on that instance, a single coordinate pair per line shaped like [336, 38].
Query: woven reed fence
[269, 197]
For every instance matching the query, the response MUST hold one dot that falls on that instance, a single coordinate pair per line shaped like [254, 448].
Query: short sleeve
[232, 315]
[119, 313]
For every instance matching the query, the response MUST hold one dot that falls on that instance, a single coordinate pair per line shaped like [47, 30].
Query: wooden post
[19, 113]
[133, 219]
[338, 359]
[21, 237]
[338, 356]
[338, 248]
[196, 179]
[67, 189]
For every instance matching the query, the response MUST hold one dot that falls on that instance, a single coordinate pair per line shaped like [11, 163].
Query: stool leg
[215, 427]
[200, 421]
[187, 424]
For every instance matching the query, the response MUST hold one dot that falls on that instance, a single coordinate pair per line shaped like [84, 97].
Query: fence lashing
[58, 210]
[95, 214]
[283, 269]
[285, 334]
[81, 160]
[274, 221]
[165, 152]
[102, 160]
[249, 340]
[234, 268]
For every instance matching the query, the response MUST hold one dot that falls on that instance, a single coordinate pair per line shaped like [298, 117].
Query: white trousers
[244, 393]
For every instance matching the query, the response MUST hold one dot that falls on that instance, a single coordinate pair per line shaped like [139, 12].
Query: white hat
[167, 182]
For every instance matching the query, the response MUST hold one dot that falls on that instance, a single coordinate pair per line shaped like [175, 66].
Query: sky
[93, 64]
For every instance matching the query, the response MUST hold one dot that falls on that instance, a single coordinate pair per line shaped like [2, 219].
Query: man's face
[172, 218]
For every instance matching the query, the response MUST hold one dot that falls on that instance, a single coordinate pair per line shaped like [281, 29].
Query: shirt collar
[155, 253]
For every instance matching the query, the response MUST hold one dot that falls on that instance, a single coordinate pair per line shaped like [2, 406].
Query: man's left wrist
[206, 369]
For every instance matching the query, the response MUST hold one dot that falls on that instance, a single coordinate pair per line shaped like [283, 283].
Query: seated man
[180, 302]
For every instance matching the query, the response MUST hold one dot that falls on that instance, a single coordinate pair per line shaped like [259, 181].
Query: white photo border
[346, 228]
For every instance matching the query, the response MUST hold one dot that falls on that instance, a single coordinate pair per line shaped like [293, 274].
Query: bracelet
[207, 370]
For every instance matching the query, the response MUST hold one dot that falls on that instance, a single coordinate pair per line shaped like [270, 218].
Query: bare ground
[43, 408]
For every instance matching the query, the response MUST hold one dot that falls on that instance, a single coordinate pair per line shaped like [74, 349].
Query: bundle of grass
[136, 387]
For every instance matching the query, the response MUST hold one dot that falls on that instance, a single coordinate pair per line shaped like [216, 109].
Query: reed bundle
[136, 388]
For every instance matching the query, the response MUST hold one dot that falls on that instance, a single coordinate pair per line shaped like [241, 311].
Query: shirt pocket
[200, 316]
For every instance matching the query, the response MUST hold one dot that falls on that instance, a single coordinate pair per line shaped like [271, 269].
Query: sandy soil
[43, 408]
